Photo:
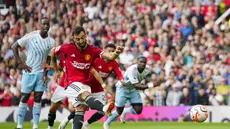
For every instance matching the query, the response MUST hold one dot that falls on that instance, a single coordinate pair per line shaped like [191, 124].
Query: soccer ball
[199, 113]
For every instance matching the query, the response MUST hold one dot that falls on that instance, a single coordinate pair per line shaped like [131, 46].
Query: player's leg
[83, 93]
[22, 109]
[28, 83]
[136, 105]
[37, 108]
[57, 97]
[98, 115]
[121, 99]
[38, 91]
[66, 120]
[79, 116]
[52, 114]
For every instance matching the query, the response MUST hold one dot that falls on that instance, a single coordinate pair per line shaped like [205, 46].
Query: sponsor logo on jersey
[80, 65]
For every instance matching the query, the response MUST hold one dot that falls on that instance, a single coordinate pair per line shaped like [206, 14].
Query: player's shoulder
[33, 33]
[64, 47]
[91, 47]
[114, 62]
[134, 66]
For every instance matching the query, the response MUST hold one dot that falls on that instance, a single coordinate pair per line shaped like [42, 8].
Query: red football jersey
[77, 63]
[104, 69]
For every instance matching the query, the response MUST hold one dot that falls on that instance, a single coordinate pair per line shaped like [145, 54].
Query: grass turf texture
[132, 125]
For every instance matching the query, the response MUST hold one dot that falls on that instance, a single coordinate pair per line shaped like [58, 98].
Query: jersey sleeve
[131, 74]
[117, 71]
[59, 50]
[24, 40]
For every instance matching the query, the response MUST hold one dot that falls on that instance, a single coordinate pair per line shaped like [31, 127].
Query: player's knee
[81, 108]
[84, 95]
[138, 108]
[38, 97]
[25, 98]
[54, 107]
[120, 110]
[138, 111]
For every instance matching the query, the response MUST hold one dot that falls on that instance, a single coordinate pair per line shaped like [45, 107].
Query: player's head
[109, 48]
[141, 63]
[45, 25]
[79, 37]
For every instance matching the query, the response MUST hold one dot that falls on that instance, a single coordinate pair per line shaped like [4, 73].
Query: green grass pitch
[133, 125]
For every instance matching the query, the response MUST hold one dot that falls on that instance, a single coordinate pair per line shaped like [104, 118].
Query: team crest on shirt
[110, 68]
[87, 57]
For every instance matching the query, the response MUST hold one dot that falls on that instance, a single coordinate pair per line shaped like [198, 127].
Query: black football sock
[51, 118]
[95, 117]
[71, 116]
[93, 103]
[78, 120]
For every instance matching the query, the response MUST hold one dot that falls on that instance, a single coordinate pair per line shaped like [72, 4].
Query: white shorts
[58, 95]
[100, 96]
[74, 90]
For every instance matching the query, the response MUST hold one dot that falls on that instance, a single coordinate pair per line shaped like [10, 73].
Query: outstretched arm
[98, 77]
[112, 56]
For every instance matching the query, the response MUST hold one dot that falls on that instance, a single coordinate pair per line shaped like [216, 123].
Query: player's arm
[15, 47]
[98, 77]
[118, 73]
[144, 84]
[57, 51]
[47, 65]
[54, 60]
[112, 56]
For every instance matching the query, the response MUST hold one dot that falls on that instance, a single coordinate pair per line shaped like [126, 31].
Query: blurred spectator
[202, 97]
[159, 96]
[126, 57]
[173, 98]
[186, 98]
[6, 97]
[223, 89]
[216, 99]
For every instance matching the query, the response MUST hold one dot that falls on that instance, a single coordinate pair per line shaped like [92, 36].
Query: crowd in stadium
[187, 50]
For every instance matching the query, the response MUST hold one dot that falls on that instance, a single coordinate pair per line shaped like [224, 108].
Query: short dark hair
[43, 18]
[110, 45]
[77, 30]
[141, 57]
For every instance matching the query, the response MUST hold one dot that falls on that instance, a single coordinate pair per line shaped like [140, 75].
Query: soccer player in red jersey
[104, 68]
[59, 95]
[78, 59]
